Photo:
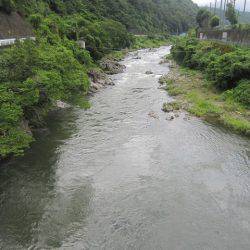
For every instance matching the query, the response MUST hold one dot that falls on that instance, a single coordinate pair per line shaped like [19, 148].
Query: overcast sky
[240, 3]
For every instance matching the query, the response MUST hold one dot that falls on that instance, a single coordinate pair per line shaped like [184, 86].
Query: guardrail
[8, 42]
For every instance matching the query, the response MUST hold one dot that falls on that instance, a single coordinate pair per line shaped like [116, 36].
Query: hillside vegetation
[137, 15]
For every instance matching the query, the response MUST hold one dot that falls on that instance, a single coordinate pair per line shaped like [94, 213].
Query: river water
[114, 177]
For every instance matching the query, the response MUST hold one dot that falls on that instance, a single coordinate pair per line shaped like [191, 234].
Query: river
[114, 177]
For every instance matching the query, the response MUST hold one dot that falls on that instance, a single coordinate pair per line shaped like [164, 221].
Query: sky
[239, 3]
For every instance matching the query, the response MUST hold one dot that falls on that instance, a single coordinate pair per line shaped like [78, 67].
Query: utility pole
[221, 14]
[245, 5]
[224, 13]
[215, 6]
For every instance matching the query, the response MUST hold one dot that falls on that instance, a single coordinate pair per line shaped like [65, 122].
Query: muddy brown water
[114, 177]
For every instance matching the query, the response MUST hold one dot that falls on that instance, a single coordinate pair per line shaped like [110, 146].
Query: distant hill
[139, 16]
[148, 15]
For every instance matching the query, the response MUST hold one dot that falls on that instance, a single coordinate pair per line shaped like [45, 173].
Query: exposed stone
[163, 79]
[170, 117]
[153, 115]
[99, 80]
[111, 66]
[62, 105]
[149, 72]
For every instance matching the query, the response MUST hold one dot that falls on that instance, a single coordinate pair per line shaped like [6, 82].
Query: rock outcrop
[98, 80]
[111, 66]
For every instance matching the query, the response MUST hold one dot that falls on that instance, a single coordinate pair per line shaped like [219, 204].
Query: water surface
[114, 177]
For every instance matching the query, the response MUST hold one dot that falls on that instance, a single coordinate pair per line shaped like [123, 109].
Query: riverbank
[199, 97]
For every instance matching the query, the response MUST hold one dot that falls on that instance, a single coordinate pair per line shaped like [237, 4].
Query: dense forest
[34, 74]
[137, 15]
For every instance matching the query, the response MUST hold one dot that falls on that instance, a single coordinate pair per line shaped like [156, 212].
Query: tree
[214, 21]
[231, 14]
[203, 17]
[7, 6]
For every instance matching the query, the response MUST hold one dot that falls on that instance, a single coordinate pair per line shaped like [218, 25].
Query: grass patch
[240, 125]
[171, 106]
[201, 107]
[199, 97]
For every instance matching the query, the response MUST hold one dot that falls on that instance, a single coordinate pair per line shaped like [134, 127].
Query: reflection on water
[113, 177]
[32, 205]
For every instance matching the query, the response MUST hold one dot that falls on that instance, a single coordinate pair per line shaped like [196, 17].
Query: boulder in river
[170, 117]
[98, 80]
[111, 66]
[153, 115]
[149, 72]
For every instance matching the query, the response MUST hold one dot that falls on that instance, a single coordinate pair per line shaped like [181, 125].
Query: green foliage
[146, 16]
[148, 42]
[223, 64]
[214, 21]
[138, 16]
[36, 20]
[240, 94]
[203, 107]
[226, 67]
[34, 76]
[231, 14]
[203, 17]
[7, 6]
[238, 124]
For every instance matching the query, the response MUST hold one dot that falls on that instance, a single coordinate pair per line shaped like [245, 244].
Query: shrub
[34, 75]
[215, 21]
[7, 6]
[228, 69]
[224, 64]
[242, 92]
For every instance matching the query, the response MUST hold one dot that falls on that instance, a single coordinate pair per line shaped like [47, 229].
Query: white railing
[8, 42]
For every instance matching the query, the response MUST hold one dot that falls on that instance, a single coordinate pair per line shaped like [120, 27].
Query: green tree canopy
[231, 14]
[7, 6]
[214, 21]
[203, 17]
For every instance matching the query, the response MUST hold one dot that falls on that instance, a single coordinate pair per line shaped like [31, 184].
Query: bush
[214, 21]
[228, 69]
[224, 64]
[242, 92]
[33, 77]
[7, 6]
